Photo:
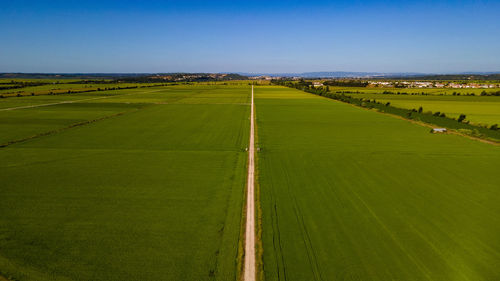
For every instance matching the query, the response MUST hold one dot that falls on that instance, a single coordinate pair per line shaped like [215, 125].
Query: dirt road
[249, 266]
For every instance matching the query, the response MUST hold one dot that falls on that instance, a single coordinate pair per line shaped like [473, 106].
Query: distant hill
[184, 77]
[333, 74]
[180, 76]
[382, 75]
[69, 75]
[458, 77]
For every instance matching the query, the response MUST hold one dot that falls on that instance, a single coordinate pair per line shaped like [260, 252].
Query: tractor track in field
[78, 124]
[311, 253]
[277, 244]
[74, 125]
[249, 258]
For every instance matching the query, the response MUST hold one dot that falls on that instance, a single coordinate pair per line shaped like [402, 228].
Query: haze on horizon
[241, 36]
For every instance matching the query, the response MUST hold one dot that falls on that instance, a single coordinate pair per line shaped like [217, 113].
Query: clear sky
[249, 36]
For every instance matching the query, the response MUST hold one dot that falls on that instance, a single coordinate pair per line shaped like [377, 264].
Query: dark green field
[351, 194]
[152, 194]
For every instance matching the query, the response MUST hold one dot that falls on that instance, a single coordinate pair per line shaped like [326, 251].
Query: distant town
[419, 84]
[395, 84]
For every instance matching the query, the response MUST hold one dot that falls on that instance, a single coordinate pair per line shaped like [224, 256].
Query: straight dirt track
[249, 266]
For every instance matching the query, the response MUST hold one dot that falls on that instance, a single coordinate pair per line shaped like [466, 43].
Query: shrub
[461, 118]
[473, 132]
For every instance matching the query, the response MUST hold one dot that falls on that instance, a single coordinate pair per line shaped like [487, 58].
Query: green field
[149, 183]
[52, 86]
[351, 194]
[484, 110]
[152, 194]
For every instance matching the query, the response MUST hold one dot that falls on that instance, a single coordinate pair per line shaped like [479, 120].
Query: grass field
[50, 86]
[148, 184]
[47, 99]
[483, 110]
[352, 194]
[152, 194]
[24, 117]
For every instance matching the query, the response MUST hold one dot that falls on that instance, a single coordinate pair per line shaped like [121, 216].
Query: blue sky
[249, 36]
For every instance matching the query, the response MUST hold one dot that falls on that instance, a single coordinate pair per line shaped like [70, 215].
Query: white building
[439, 130]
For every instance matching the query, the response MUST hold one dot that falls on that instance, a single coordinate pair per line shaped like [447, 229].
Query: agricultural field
[149, 184]
[481, 110]
[352, 194]
[139, 184]
[51, 86]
